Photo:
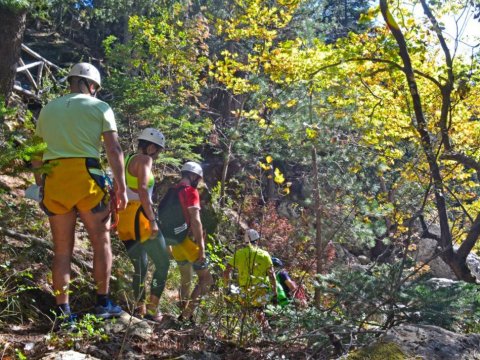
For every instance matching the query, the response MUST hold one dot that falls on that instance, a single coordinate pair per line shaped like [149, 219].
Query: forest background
[339, 130]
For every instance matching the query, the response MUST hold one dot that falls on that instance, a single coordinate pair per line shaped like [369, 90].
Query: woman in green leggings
[138, 228]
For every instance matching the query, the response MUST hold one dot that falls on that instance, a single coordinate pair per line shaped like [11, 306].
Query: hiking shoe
[66, 323]
[153, 317]
[110, 310]
[140, 311]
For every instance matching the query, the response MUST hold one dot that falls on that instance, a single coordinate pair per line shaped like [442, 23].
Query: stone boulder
[433, 343]
[425, 250]
[135, 327]
[68, 355]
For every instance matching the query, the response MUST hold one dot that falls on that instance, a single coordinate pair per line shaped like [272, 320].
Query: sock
[63, 309]
[102, 299]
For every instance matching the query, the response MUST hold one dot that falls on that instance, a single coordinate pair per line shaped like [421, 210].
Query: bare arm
[197, 229]
[291, 285]
[143, 165]
[115, 159]
[37, 163]
[273, 280]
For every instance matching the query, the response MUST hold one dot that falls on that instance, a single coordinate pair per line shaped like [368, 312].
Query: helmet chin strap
[194, 182]
[85, 84]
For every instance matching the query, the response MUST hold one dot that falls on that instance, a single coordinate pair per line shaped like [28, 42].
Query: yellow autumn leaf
[264, 166]
[279, 178]
[311, 133]
[292, 102]
[269, 159]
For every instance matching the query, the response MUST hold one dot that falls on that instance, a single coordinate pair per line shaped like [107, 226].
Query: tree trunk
[11, 36]
[318, 224]
[456, 261]
[234, 103]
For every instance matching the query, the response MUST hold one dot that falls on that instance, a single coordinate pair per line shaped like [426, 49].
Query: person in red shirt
[190, 253]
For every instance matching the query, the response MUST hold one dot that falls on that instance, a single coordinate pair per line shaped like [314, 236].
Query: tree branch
[472, 237]
[462, 159]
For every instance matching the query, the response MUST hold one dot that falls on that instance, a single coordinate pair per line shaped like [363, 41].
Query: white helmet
[251, 235]
[193, 167]
[152, 135]
[87, 71]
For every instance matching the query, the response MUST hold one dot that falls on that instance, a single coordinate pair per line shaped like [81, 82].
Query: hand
[154, 229]
[201, 257]
[122, 199]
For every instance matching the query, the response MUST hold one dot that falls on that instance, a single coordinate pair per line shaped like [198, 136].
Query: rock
[68, 355]
[343, 256]
[203, 355]
[136, 327]
[425, 250]
[363, 259]
[473, 263]
[433, 343]
[438, 283]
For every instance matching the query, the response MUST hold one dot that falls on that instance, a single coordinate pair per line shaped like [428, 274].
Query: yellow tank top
[132, 181]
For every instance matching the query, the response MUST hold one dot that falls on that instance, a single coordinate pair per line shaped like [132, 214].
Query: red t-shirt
[189, 198]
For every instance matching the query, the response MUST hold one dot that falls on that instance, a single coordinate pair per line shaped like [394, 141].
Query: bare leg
[186, 276]
[260, 315]
[63, 235]
[205, 280]
[102, 252]
[152, 305]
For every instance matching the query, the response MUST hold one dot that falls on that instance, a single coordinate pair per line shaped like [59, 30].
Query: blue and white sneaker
[109, 311]
[66, 323]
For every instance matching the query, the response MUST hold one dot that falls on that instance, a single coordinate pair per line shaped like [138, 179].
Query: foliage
[455, 307]
[272, 88]
[379, 351]
[90, 329]
[16, 139]
[227, 318]
[14, 5]
[13, 286]
[384, 296]
[383, 145]
[330, 20]
[156, 78]
[357, 304]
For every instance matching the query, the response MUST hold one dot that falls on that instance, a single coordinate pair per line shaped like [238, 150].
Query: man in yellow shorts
[74, 127]
[256, 275]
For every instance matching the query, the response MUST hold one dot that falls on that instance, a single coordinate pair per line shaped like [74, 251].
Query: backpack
[171, 218]
[282, 299]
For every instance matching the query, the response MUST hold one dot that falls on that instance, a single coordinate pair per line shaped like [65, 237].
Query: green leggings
[156, 250]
